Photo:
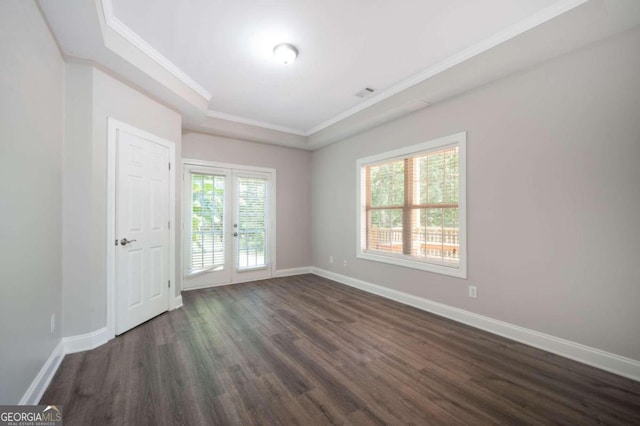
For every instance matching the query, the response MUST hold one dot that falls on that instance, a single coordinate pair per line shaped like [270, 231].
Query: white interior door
[229, 222]
[142, 230]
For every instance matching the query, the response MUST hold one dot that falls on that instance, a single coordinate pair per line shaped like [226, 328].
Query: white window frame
[460, 270]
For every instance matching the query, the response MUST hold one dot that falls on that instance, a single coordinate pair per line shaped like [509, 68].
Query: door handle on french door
[124, 241]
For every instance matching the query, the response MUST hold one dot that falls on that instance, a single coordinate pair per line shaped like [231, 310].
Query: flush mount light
[285, 53]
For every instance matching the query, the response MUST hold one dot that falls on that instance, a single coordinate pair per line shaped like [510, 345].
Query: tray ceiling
[211, 59]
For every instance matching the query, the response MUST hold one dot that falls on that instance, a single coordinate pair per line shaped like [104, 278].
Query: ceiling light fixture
[285, 53]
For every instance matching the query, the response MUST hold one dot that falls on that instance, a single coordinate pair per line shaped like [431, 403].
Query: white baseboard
[177, 302]
[278, 274]
[41, 382]
[293, 271]
[607, 361]
[86, 342]
[67, 345]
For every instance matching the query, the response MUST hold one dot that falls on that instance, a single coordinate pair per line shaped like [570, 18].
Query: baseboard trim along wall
[39, 385]
[293, 271]
[86, 342]
[177, 302]
[607, 361]
[69, 345]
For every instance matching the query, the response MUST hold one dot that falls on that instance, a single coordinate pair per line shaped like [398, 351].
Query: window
[229, 221]
[252, 222]
[411, 206]
[207, 222]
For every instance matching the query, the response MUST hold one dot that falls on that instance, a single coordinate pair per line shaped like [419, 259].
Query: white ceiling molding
[128, 34]
[89, 30]
[466, 54]
[243, 120]
[533, 21]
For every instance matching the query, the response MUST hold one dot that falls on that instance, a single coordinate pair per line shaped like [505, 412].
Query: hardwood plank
[305, 350]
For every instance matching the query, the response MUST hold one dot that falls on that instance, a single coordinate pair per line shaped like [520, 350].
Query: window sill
[452, 271]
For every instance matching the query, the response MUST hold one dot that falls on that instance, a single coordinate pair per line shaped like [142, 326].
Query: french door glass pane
[252, 221]
[207, 222]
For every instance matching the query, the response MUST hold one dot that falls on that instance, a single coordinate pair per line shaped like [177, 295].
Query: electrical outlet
[330, 259]
[345, 263]
[473, 291]
[53, 322]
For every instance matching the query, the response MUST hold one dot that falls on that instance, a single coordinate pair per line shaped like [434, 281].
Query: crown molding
[508, 33]
[257, 123]
[128, 34]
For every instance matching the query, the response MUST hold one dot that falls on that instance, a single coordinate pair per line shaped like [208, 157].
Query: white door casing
[141, 193]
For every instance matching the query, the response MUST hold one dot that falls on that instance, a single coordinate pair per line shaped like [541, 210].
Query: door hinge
[169, 224]
[169, 166]
[169, 283]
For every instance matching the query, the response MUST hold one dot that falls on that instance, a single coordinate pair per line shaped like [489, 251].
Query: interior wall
[293, 185]
[31, 123]
[98, 96]
[553, 198]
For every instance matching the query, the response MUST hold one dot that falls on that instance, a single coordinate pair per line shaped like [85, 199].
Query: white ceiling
[212, 60]
[226, 46]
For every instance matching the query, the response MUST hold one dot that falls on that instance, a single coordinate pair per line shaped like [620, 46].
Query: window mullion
[367, 179]
[407, 216]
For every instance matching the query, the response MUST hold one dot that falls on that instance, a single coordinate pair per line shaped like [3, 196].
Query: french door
[229, 217]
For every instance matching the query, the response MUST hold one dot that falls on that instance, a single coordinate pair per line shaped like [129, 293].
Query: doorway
[140, 258]
[229, 223]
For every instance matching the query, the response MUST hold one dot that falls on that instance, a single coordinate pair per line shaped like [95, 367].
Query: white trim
[113, 126]
[508, 33]
[40, 383]
[488, 43]
[293, 271]
[86, 342]
[603, 360]
[132, 37]
[67, 345]
[458, 271]
[200, 287]
[177, 302]
[111, 225]
[214, 164]
[248, 280]
[257, 123]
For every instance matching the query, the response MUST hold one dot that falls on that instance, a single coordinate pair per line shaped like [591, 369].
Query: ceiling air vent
[365, 92]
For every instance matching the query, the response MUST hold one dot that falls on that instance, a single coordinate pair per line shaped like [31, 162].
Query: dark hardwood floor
[305, 350]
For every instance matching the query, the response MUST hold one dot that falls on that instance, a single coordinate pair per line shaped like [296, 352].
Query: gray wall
[293, 180]
[92, 97]
[31, 133]
[553, 198]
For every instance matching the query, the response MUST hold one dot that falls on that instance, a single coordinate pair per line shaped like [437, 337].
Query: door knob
[235, 234]
[124, 241]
